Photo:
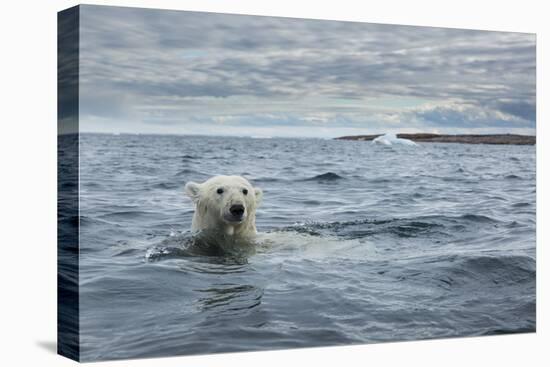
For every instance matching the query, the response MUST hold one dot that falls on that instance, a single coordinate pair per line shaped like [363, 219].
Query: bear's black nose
[237, 210]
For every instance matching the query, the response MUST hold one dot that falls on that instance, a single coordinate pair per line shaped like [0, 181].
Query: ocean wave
[265, 179]
[89, 221]
[512, 177]
[167, 185]
[187, 171]
[230, 299]
[512, 269]
[403, 227]
[128, 214]
[325, 177]
[463, 280]
[479, 272]
[479, 218]
[189, 157]
[200, 245]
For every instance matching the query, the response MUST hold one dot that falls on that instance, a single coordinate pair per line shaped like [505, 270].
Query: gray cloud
[173, 68]
[469, 116]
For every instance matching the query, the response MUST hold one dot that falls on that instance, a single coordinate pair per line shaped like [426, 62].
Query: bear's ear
[258, 193]
[192, 189]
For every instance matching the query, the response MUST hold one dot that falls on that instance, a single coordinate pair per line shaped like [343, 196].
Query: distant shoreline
[512, 139]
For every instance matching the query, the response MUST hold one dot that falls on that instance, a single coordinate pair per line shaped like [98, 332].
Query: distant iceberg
[392, 139]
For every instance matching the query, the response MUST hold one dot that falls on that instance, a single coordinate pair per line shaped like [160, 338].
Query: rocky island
[513, 139]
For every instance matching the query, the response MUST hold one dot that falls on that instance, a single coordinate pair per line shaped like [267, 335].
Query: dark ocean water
[360, 244]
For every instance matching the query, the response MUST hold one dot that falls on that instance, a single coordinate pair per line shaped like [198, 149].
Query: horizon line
[283, 137]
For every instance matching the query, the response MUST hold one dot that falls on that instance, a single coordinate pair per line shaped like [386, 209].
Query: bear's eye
[219, 191]
[245, 191]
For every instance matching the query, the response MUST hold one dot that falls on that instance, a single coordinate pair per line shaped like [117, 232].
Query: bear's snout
[237, 211]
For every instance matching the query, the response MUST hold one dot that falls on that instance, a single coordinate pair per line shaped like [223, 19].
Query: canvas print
[242, 183]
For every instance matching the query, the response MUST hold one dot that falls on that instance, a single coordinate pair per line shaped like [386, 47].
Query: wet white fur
[212, 209]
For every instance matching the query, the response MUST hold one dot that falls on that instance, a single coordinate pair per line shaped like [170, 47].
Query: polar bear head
[224, 204]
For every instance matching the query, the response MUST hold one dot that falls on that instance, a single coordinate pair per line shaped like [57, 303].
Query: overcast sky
[159, 71]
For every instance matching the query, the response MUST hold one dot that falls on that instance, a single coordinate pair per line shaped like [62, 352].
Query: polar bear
[225, 206]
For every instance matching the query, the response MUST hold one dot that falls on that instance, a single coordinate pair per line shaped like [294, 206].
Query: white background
[28, 182]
